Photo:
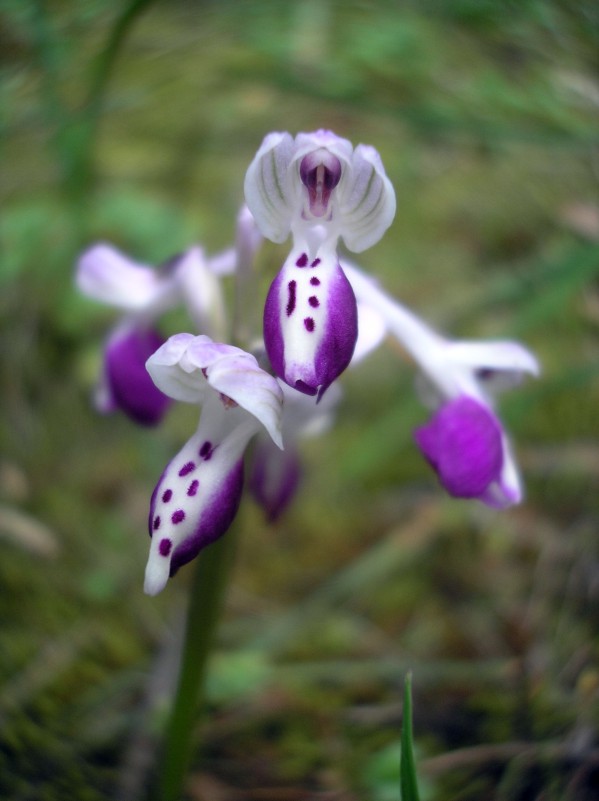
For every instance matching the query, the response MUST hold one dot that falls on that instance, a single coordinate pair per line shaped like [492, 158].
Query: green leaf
[407, 765]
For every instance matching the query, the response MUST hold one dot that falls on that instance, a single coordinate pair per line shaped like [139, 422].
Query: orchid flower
[464, 441]
[317, 188]
[198, 493]
[144, 294]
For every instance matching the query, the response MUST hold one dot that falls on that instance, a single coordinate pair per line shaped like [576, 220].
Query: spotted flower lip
[198, 493]
[310, 322]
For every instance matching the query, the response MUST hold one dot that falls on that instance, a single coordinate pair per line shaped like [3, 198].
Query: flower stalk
[207, 592]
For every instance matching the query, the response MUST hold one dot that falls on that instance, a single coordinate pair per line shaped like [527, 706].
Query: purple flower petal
[310, 327]
[129, 385]
[463, 444]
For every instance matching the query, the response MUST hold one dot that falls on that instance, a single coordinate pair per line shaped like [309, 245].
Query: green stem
[74, 130]
[207, 594]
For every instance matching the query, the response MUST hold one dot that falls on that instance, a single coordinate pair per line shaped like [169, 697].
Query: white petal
[508, 490]
[309, 142]
[223, 263]
[239, 377]
[372, 329]
[366, 200]
[500, 355]
[269, 193]
[107, 275]
[174, 374]
[201, 292]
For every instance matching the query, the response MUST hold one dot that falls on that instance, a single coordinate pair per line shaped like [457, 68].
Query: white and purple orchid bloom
[464, 440]
[199, 492]
[319, 189]
[143, 295]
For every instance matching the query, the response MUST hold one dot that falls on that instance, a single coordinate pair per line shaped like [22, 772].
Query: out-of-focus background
[134, 123]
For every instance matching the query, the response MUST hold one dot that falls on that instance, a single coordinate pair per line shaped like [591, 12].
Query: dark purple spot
[315, 263]
[167, 495]
[315, 281]
[206, 451]
[178, 516]
[193, 488]
[156, 523]
[313, 301]
[164, 547]
[291, 299]
[302, 261]
[309, 324]
[187, 469]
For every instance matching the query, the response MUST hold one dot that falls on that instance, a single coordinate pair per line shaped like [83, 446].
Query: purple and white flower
[199, 492]
[464, 441]
[144, 294]
[317, 188]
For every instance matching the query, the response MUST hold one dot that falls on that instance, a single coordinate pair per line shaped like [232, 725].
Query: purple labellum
[309, 351]
[216, 518]
[463, 444]
[131, 388]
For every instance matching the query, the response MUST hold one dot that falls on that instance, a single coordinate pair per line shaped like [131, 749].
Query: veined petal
[270, 194]
[127, 385]
[107, 275]
[198, 494]
[365, 200]
[310, 322]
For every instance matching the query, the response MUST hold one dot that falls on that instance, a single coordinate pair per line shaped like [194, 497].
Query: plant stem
[205, 603]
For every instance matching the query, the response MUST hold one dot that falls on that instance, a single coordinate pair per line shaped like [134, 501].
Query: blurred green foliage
[134, 123]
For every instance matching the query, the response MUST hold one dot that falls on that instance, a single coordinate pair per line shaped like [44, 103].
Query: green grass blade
[407, 765]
